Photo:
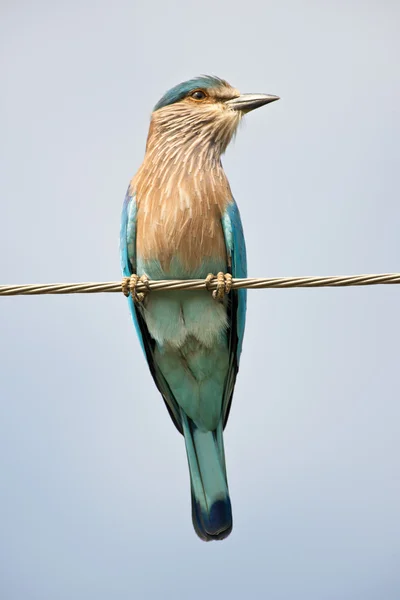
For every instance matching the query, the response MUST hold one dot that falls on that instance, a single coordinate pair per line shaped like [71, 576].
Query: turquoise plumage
[179, 221]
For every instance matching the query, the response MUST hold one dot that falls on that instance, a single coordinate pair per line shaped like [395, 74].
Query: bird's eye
[198, 95]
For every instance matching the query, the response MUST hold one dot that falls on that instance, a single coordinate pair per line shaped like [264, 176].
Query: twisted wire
[200, 284]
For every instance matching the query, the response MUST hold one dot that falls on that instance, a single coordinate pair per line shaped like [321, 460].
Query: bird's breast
[179, 228]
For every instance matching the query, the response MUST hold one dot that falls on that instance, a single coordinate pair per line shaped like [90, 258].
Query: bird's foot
[224, 285]
[129, 287]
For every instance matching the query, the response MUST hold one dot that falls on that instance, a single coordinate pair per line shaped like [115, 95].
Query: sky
[94, 488]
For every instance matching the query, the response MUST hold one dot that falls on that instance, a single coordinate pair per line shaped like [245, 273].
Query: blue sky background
[94, 490]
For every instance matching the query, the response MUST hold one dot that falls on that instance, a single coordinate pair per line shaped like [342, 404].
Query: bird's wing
[236, 250]
[128, 266]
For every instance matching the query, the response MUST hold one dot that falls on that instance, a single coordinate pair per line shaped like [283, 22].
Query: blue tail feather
[211, 505]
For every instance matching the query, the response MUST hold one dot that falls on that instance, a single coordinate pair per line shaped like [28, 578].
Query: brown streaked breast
[180, 216]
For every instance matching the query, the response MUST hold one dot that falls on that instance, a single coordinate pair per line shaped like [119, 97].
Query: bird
[180, 221]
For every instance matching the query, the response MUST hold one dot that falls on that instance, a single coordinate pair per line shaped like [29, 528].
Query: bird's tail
[211, 505]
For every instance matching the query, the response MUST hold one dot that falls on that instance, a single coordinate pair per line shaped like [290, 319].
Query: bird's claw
[129, 287]
[224, 285]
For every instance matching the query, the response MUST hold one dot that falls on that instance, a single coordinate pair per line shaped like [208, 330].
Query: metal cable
[200, 284]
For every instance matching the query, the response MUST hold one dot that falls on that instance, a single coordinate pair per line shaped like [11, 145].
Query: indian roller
[180, 221]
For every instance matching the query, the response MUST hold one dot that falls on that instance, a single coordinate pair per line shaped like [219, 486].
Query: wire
[199, 284]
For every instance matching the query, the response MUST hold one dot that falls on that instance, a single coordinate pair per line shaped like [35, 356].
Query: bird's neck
[182, 160]
[192, 144]
[181, 194]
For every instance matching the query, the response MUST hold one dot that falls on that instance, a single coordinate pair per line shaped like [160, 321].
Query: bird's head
[201, 115]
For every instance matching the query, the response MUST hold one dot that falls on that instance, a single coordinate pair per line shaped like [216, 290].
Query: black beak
[248, 102]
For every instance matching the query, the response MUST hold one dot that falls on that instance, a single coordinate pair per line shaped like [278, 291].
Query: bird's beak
[248, 102]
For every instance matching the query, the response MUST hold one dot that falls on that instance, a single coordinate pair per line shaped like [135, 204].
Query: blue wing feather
[128, 251]
[236, 250]
[236, 247]
[128, 266]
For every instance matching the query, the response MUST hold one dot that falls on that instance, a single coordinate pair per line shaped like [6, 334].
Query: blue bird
[180, 221]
